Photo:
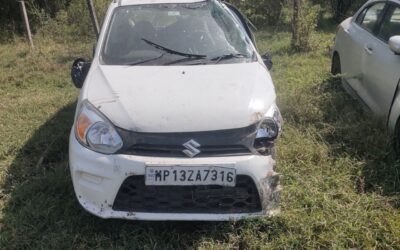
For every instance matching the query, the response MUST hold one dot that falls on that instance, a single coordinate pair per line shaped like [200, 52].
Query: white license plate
[190, 176]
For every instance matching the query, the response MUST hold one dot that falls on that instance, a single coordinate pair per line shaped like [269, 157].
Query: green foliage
[74, 22]
[261, 11]
[78, 16]
[304, 24]
[58, 17]
[344, 8]
[38, 12]
[10, 19]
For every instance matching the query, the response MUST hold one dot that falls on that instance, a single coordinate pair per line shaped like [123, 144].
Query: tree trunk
[26, 22]
[295, 20]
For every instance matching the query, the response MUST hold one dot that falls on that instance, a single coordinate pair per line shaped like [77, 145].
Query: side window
[361, 16]
[391, 24]
[372, 17]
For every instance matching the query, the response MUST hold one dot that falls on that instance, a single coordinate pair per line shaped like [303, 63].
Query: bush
[304, 22]
[79, 18]
[10, 18]
[38, 11]
[74, 22]
[261, 11]
[53, 16]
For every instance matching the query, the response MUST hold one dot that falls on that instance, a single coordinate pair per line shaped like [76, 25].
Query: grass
[340, 177]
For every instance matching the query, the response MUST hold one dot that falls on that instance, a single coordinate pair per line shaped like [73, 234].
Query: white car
[367, 55]
[177, 116]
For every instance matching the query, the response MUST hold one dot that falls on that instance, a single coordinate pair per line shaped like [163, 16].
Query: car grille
[135, 196]
[177, 151]
[213, 143]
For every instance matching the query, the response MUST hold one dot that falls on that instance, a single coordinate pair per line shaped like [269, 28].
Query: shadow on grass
[352, 131]
[41, 211]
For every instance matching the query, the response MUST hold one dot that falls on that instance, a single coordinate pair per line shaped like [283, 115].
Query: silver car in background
[367, 55]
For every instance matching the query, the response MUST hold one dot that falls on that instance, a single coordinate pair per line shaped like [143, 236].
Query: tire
[396, 139]
[336, 68]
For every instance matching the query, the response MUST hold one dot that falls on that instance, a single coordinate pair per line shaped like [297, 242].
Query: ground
[340, 177]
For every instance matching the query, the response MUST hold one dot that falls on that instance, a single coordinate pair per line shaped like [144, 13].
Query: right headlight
[268, 130]
[94, 131]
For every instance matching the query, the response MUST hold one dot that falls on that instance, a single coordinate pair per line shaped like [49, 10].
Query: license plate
[190, 176]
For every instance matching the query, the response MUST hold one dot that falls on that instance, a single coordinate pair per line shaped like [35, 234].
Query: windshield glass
[170, 34]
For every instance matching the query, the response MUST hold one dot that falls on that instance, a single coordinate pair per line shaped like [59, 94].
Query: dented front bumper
[97, 180]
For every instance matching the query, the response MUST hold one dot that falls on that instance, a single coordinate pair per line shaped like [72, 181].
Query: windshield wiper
[227, 57]
[186, 60]
[208, 61]
[170, 51]
[145, 61]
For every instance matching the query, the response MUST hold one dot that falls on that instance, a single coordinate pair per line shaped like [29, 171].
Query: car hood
[163, 99]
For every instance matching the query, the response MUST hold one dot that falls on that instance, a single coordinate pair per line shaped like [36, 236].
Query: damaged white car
[176, 118]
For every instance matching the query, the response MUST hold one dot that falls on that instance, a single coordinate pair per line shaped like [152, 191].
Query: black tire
[396, 138]
[336, 68]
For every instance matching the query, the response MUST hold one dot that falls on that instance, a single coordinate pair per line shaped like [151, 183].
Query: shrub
[304, 22]
[10, 18]
[79, 19]
[53, 16]
[261, 11]
[38, 11]
[74, 22]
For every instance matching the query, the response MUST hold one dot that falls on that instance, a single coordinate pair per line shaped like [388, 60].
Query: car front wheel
[336, 68]
[396, 138]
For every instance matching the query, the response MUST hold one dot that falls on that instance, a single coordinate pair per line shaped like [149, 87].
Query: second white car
[367, 55]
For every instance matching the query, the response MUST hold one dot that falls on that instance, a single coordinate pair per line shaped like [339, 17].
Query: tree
[295, 22]
[304, 21]
[340, 8]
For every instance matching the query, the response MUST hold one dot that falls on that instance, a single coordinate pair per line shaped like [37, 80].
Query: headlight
[268, 130]
[95, 131]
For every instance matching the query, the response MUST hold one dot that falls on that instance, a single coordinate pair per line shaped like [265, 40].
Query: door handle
[369, 49]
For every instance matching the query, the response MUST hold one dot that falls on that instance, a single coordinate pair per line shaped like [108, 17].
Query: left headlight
[95, 131]
[268, 130]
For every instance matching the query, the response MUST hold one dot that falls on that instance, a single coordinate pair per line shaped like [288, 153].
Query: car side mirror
[79, 71]
[394, 44]
[267, 59]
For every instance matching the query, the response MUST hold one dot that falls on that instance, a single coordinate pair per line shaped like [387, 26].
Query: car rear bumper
[97, 179]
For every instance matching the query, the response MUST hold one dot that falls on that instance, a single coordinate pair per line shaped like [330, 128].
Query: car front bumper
[97, 179]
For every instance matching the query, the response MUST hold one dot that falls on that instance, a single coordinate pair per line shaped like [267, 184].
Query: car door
[381, 66]
[355, 35]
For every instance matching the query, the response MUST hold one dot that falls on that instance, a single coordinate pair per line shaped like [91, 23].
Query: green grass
[340, 177]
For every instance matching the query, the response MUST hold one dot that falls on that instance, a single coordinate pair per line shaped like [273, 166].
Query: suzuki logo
[191, 148]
